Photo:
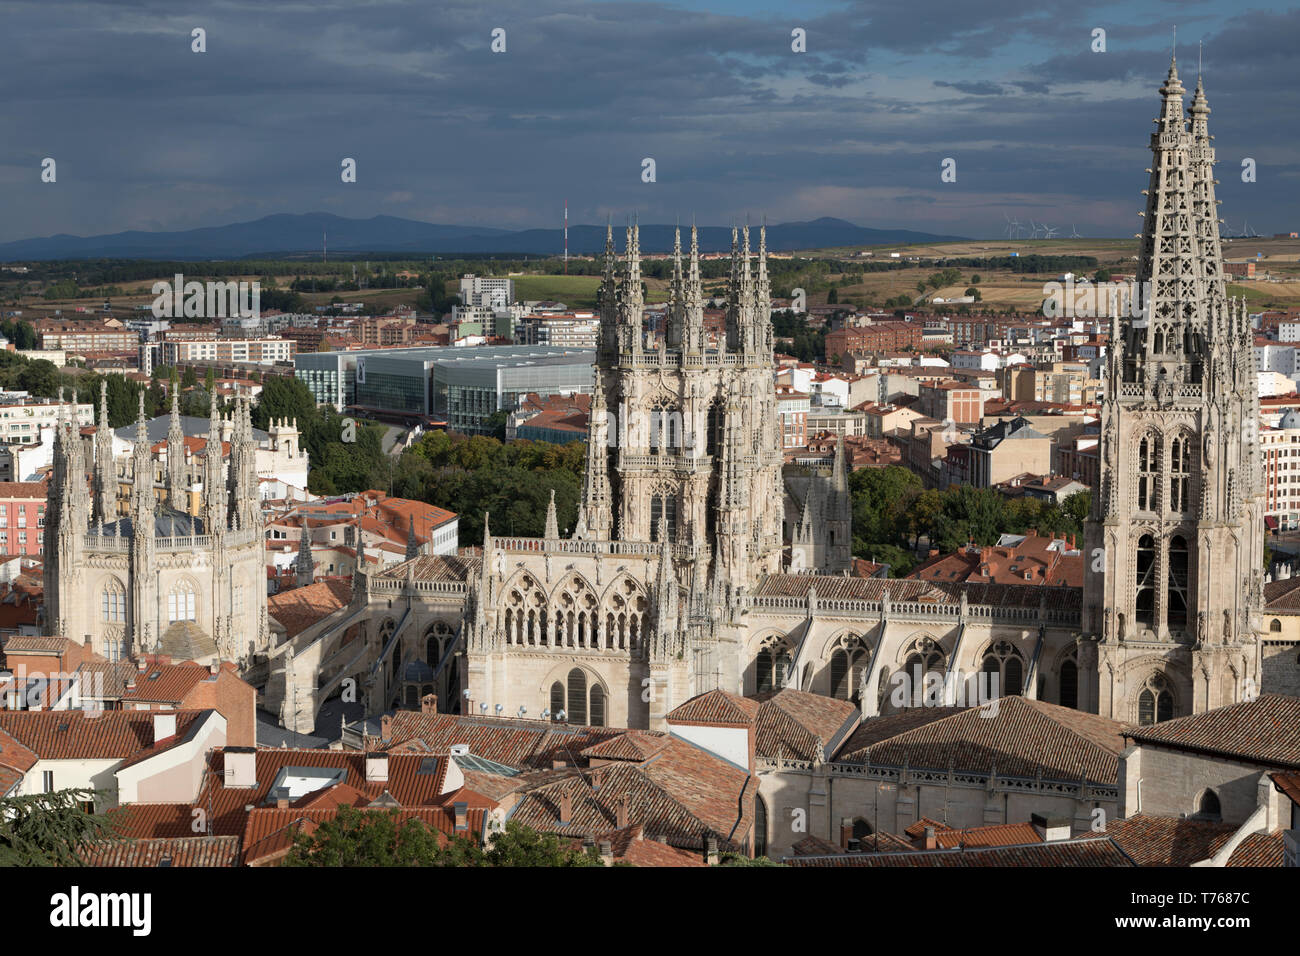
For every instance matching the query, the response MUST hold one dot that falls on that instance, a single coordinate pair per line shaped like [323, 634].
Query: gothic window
[1180, 470]
[1004, 662]
[1069, 684]
[663, 505]
[847, 663]
[926, 656]
[1148, 471]
[1155, 702]
[597, 718]
[772, 667]
[1275, 626]
[181, 603]
[577, 696]
[112, 602]
[713, 433]
[1176, 616]
[437, 642]
[760, 827]
[1146, 582]
[557, 700]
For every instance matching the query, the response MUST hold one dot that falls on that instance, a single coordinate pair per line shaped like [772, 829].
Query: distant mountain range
[286, 234]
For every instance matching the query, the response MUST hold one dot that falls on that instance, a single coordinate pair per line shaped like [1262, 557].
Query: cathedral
[131, 571]
[676, 579]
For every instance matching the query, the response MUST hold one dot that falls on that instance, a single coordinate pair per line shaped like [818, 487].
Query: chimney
[142, 665]
[558, 764]
[164, 726]
[214, 668]
[934, 552]
[606, 852]
[846, 832]
[376, 767]
[711, 851]
[931, 841]
[429, 704]
[566, 809]
[240, 766]
[386, 727]
[1050, 829]
[620, 811]
[282, 798]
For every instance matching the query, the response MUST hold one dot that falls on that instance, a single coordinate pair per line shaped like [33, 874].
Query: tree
[50, 829]
[210, 380]
[286, 398]
[189, 379]
[833, 297]
[378, 838]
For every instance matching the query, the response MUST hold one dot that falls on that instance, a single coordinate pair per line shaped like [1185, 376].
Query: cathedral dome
[1290, 420]
[186, 641]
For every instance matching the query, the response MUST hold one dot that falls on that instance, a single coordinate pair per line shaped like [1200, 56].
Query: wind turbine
[1074, 233]
[1049, 231]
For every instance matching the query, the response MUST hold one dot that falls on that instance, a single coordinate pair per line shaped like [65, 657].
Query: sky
[147, 134]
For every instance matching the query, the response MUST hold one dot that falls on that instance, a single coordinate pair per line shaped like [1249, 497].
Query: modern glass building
[462, 386]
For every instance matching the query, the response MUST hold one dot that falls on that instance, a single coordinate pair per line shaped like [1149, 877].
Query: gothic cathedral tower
[1173, 586]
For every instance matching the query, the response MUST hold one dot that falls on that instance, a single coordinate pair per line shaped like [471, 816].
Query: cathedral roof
[835, 587]
[716, 707]
[435, 567]
[185, 641]
[1093, 850]
[1023, 738]
[793, 724]
[298, 609]
[1263, 730]
[169, 522]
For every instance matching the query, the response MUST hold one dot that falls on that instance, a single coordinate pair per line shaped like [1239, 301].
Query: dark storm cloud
[150, 135]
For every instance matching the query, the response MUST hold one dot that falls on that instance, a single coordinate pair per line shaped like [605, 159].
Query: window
[1003, 662]
[760, 827]
[847, 663]
[112, 602]
[1180, 473]
[1208, 806]
[1148, 472]
[1275, 625]
[1146, 582]
[1070, 684]
[597, 717]
[557, 700]
[663, 507]
[47, 781]
[1176, 615]
[1156, 702]
[577, 696]
[181, 603]
[772, 667]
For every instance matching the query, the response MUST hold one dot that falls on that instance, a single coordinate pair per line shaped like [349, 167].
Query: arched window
[557, 700]
[772, 666]
[1156, 702]
[182, 603]
[577, 696]
[1003, 661]
[1208, 806]
[925, 658]
[847, 662]
[597, 718]
[112, 602]
[663, 506]
[760, 826]
[1180, 471]
[1176, 616]
[1146, 582]
[1070, 684]
[1275, 625]
[1148, 472]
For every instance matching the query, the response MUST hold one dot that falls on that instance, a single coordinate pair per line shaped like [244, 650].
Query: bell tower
[1174, 569]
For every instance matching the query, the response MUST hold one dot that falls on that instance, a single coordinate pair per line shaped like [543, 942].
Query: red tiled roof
[1024, 738]
[1166, 841]
[998, 834]
[716, 707]
[177, 851]
[792, 723]
[76, 735]
[1264, 730]
[300, 608]
[524, 744]
[166, 683]
[1259, 849]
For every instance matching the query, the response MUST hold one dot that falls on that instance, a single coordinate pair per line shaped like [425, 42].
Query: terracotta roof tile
[716, 707]
[300, 608]
[1263, 730]
[1166, 841]
[1022, 739]
[175, 851]
[1259, 849]
[77, 735]
[1085, 852]
[790, 723]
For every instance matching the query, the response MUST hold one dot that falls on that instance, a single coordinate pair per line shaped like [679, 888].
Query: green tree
[833, 297]
[189, 379]
[50, 829]
[210, 380]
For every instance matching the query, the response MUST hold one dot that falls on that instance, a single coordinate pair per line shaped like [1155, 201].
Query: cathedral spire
[305, 566]
[177, 487]
[631, 299]
[675, 318]
[552, 524]
[693, 306]
[105, 472]
[595, 515]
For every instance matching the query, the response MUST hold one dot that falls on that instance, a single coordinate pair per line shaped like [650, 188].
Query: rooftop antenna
[324, 250]
[566, 237]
